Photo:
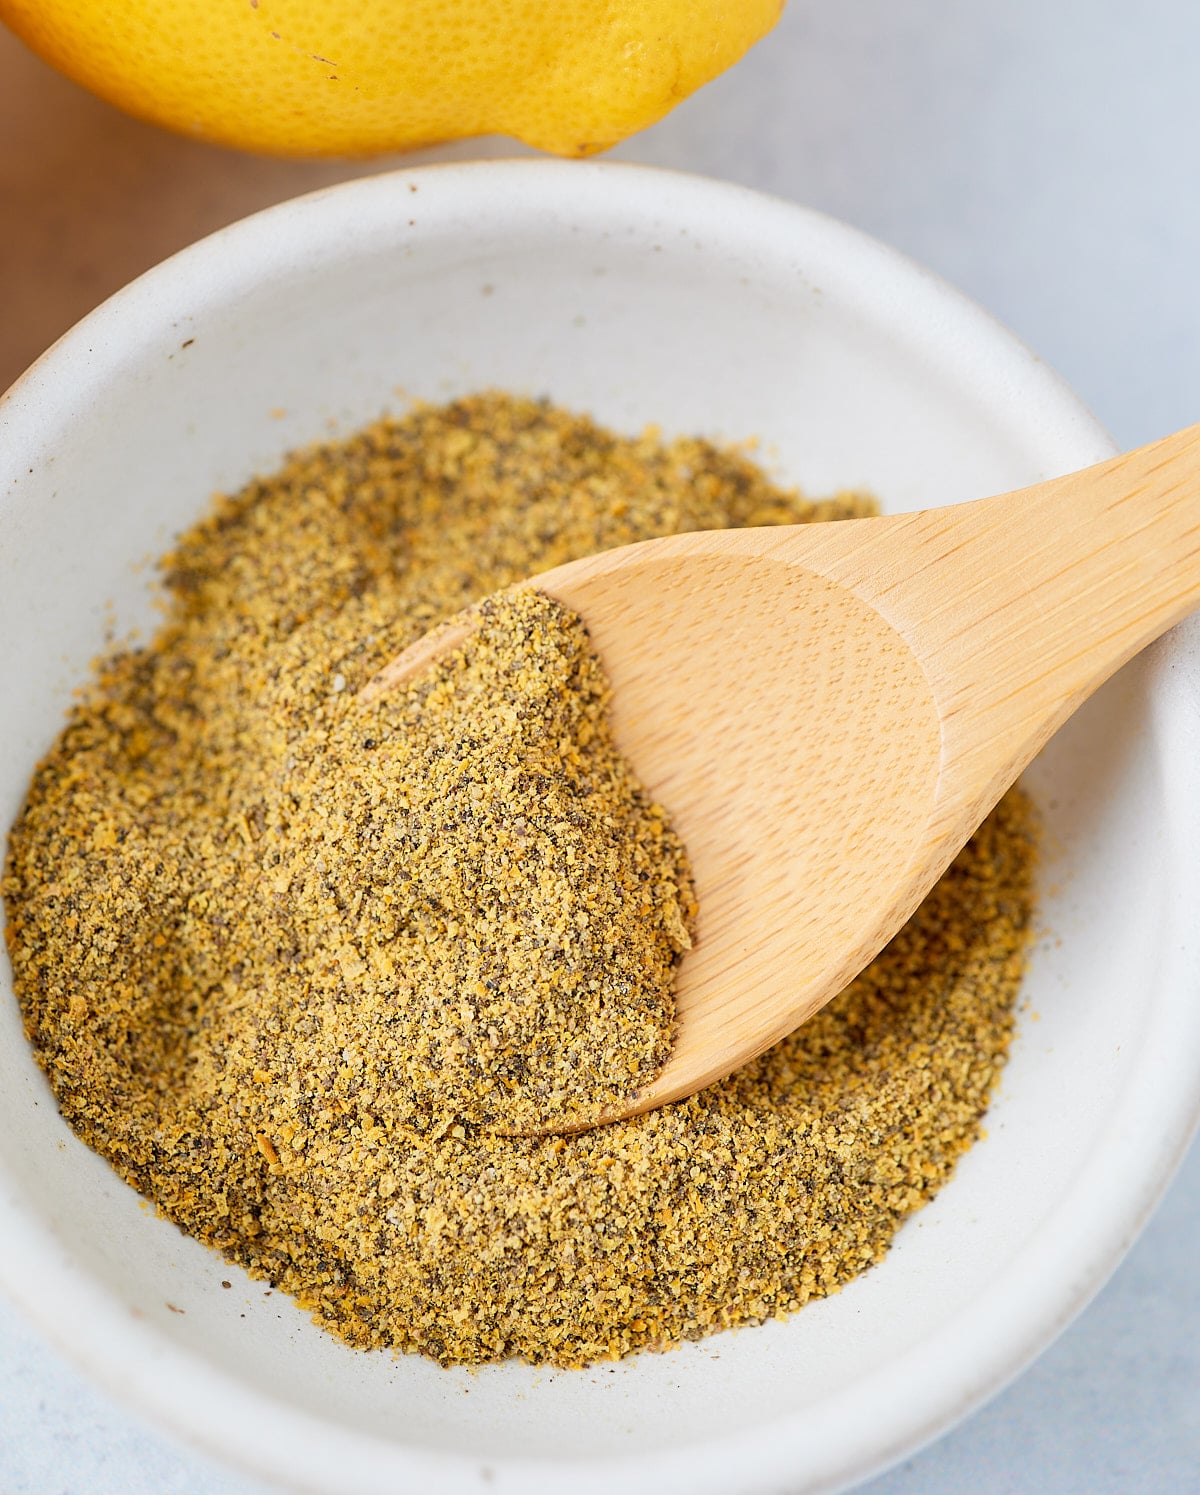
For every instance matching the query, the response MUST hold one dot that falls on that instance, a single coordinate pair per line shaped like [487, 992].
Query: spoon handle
[1020, 606]
[1027, 603]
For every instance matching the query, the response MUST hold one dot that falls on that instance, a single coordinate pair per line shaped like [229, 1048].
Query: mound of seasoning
[288, 958]
[474, 863]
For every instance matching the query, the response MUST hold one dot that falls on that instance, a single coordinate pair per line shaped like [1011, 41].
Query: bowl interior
[638, 297]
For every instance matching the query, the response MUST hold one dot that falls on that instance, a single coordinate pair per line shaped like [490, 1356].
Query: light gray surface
[1045, 156]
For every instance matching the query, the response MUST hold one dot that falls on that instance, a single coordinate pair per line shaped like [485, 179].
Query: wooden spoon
[829, 711]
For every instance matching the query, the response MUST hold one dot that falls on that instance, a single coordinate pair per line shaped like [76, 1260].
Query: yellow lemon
[352, 77]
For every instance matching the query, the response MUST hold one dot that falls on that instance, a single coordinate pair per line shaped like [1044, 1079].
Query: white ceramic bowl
[640, 297]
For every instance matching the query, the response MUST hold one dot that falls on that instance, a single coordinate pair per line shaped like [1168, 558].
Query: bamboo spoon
[829, 711]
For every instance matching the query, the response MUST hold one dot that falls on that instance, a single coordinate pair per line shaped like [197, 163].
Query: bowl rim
[147, 1371]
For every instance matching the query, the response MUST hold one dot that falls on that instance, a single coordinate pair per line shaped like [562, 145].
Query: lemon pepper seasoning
[222, 926]
[473, 861]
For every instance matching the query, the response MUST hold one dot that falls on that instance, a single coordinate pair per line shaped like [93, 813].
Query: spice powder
[294, 963]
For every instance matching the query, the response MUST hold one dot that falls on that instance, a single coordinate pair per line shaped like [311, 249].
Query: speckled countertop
[1045, 157]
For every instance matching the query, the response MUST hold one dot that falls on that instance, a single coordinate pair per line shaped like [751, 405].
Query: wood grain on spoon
[829, 711]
